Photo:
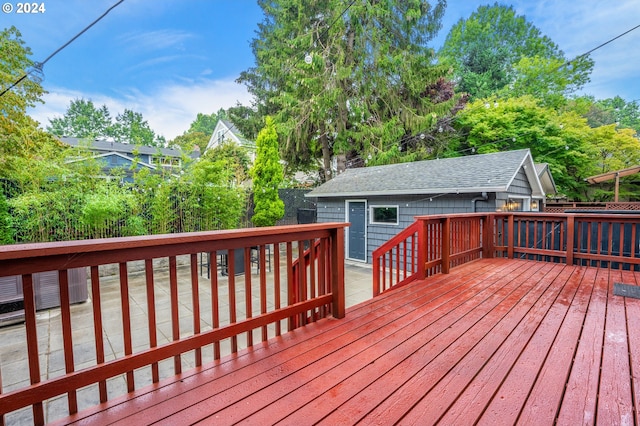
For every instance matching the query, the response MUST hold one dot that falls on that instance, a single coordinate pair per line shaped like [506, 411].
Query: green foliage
[497, 50]
[563, 139]
[20, 136]
[614, 111]
[267, 176]
[6, 224]
[392, 155]
[248, 120]
[189, 140]
[205, 123]
[101, 209]
[84, 120]
[236, 158]
[334, 82]
[130, 127]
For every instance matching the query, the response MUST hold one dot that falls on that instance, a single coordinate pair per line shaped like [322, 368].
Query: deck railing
[434, 244]
[241, 309]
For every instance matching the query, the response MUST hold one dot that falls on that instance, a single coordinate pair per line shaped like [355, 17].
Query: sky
[173, 59]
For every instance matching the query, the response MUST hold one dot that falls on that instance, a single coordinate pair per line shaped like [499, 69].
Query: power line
[38, 65]
[602, 45]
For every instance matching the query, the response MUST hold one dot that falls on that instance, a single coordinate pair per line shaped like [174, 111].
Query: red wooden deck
[496, 341]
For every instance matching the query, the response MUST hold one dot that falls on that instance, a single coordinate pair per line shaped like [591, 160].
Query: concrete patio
[14, 363]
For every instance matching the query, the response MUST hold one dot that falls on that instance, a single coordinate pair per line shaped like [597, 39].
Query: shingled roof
[474, 173]
[112, 146]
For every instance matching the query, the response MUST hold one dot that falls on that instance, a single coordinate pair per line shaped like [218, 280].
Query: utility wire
[602, 45]
[38, 65]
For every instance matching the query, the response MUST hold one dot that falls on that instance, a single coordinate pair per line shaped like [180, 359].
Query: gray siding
[330, 210]
[520, 184]
[333, 210]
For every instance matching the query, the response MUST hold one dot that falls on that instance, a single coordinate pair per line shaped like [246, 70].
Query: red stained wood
[615, 405]
[151, 315]
[58, 256]
[633, 325]
[544, 399]
[67, 336]
[32, 342]
[97, 327]
[126, 320]
[496, 340]
[579, 401]
[195, 303]
[175, 315]
[506, 404]
[494, 336]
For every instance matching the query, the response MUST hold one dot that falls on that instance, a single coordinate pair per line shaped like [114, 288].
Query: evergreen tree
[347, 78]
[267, 176]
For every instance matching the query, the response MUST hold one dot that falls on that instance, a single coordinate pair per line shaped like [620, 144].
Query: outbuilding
[381, 201]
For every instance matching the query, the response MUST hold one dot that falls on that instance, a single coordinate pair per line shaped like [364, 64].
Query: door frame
[348, 230]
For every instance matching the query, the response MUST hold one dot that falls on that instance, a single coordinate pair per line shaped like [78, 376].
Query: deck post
[446, 245]
[376, 276]
[337, 273]
[422, 249]
[570, 234]
[487, 236]
[510, 236]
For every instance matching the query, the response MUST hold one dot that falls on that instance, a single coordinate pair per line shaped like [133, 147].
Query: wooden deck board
[579, 402]
[614, 395]
[444, 354]
[545, 397]
[503, 347]
[496, 341]
[365, 391]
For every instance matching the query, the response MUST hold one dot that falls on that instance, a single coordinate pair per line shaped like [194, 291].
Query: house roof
[470, 174]
[546, 179]
[230, 132]
[112, 146]
[117, 154]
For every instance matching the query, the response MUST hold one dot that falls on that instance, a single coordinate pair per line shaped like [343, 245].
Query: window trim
[386, 206]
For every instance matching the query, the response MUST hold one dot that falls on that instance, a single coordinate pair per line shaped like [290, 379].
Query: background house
[226, 131]
[128, 157]
[381, 201]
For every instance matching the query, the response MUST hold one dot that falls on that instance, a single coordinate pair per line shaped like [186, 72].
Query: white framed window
[384, 215]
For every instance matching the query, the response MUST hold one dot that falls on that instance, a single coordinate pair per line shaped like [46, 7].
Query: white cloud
[154, 40]
[169, 110]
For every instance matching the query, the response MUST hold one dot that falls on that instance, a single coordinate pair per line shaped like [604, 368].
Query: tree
[20, 137]
[130, 127]
[620, 112]
[495, 48]
[189, 140]
[560, 139]
[346, 80]
[205, 123]
[267, 176]
[199, 132]
[237, 159]
[82, 120]
[248, 120]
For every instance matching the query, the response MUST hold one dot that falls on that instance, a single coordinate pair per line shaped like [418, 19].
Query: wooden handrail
[325, 296]
[445, 241]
